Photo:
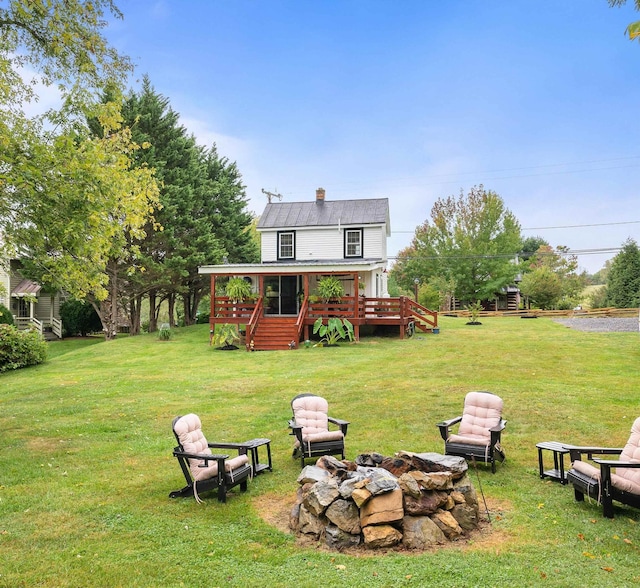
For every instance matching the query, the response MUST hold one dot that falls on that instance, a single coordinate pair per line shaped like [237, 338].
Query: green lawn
[86, 465]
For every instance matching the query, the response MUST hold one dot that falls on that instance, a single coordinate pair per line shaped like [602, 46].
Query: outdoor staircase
[275, 333]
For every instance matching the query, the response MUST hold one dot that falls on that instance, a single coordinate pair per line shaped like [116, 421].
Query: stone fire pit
[413, 500]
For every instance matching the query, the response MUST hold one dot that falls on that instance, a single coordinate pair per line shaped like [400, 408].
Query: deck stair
[275, 333]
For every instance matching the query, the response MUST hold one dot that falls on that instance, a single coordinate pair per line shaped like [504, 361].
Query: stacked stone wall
[413, 500]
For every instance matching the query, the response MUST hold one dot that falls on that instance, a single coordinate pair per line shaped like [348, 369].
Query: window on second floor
[287, 245]
[353, 243]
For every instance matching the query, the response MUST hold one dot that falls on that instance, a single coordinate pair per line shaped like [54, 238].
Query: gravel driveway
[600, 325]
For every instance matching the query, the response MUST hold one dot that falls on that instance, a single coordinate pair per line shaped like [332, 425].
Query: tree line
[471, 250]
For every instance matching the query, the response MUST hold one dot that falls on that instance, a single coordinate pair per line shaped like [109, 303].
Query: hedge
[20, 348]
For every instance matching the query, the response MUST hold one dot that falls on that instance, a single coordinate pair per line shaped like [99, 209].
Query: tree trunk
[134, 315]
[188, 308]
[171, 301]
[153, 314]
[107, 309]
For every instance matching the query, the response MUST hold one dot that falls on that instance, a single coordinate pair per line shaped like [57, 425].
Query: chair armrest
[576, 452]
[241, 447]
[444, 426]
[499, 427]
[342, 424]
[296, 430]
[617, 464]
[206, 457]
[450, 422]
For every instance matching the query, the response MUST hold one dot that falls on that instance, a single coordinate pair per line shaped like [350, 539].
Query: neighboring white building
[29, 303]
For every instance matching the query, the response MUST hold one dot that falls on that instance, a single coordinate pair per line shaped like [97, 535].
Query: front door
[281, 295]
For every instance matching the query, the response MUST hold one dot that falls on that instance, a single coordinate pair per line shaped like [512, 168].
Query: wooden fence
[584, 313]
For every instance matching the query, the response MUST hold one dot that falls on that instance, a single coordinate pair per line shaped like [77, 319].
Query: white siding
[325, 243]
[374, 243]
[315, 244]
[269, 245]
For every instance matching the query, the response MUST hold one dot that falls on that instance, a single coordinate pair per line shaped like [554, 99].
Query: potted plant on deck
[330, 289]
[238, 289]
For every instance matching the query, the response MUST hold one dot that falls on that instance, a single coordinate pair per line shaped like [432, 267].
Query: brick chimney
[320, 195]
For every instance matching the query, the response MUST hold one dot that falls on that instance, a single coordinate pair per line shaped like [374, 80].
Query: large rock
[294, 517]
[371, 460]
[344, 514]
[309, 524]
[385, 508]
[466, 516]
[448, 525]
[360, 496]
[321, 496]
[466, 488]
[436, 462]
[433, 480]
[421, 532]
[355, 480]
[312, 474]
[381, 536]
[332, 465]
[336, 538]
[396, 465]
[410, 486]
[381, 481]
[426, 504]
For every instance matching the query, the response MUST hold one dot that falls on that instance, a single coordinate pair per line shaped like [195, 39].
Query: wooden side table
[559, 451]
[253, 446]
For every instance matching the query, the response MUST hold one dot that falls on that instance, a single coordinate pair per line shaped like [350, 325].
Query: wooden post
[212, 306]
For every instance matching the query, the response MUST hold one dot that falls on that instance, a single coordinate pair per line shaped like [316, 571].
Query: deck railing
[56, 327]
[358, 308]
[26, 322]
[230, 311]
[254, 319]
[304, 309]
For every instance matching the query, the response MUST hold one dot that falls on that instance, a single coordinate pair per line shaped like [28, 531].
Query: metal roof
[26, 288]
[370, 211]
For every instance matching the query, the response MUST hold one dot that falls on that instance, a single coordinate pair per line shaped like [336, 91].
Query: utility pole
[271, 195]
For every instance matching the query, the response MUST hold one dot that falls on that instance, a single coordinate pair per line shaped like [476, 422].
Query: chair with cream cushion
[480, 430]
[310, 426]
[609, 479]
[202, 469]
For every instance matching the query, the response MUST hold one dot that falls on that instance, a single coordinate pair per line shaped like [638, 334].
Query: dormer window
[287, 245]
[353, 243]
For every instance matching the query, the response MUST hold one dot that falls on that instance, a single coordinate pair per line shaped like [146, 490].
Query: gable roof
[26, 288]
[325, 213]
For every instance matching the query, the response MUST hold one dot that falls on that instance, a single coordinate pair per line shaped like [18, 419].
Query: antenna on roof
[271, 195]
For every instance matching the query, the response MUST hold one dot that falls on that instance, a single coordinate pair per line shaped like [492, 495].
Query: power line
[568, 253]
[563, 226]
[581, 226]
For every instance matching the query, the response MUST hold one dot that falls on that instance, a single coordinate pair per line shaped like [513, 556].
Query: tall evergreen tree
[203, 216]
[623, 282]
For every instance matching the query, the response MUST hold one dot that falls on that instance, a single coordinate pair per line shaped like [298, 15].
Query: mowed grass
[86, 465]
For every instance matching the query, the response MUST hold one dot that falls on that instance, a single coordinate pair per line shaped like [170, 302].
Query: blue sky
[412, 100]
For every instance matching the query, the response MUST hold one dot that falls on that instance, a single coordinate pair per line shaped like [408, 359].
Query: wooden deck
[272, 331]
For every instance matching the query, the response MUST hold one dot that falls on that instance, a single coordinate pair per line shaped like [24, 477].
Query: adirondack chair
[202, 469]
[609, 479]
[480, 430]
[310, 426]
